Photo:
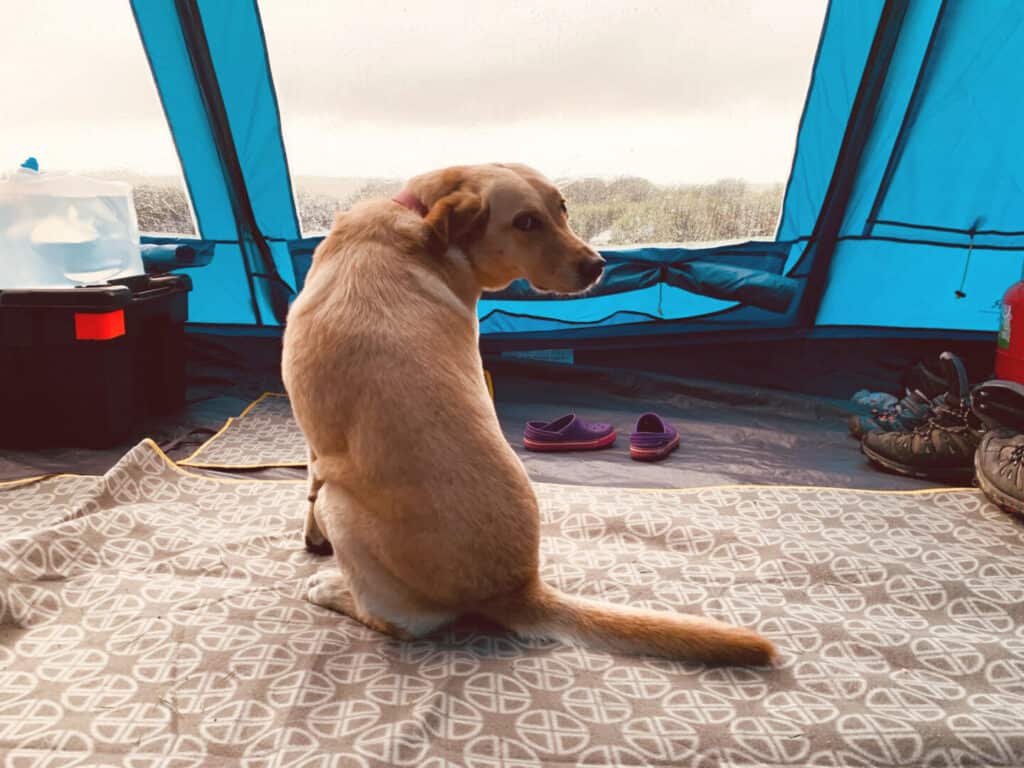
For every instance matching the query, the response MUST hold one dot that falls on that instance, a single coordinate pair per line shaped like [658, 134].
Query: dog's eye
[565, 210]
[527, 222]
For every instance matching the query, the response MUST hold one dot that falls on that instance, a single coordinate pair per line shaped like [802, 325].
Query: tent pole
[858, 129]
[252, 242]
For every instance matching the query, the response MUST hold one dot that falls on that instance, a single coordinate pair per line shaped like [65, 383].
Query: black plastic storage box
[84, 367]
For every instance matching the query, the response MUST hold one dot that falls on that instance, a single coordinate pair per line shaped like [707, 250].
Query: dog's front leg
[315, 540]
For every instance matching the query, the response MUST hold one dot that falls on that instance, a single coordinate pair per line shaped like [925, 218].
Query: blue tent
[902, 211]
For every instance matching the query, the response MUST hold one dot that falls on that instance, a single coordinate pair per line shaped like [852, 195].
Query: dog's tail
[544, 612]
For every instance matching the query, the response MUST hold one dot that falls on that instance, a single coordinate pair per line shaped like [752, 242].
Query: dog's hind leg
[374, 605]
[331, 590]
[363, 587]
[313, 535]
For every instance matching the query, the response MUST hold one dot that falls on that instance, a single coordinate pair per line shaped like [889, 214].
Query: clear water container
[61, 230]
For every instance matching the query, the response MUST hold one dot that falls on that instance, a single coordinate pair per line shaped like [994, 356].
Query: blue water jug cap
[31, 163]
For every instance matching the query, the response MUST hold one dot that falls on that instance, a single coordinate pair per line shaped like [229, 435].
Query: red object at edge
[101, 326]
[1010, 344]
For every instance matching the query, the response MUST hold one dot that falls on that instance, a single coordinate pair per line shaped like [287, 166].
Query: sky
[687, 91]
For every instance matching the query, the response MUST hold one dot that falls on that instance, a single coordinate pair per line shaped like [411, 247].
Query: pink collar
[410, 201]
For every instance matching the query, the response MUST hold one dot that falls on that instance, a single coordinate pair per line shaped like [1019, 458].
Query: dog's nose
[591, 269]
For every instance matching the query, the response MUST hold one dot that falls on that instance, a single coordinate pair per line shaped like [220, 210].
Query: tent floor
[151, 614]
[732, 433]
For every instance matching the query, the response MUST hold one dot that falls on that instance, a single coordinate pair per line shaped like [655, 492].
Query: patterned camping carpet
[151, 614]
[264, 435]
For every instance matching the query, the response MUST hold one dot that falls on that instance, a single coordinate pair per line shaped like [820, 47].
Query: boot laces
[946, 418]
[1017, 456]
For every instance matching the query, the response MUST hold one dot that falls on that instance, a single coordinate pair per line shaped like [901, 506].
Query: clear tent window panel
[78, 95]
[665, 122]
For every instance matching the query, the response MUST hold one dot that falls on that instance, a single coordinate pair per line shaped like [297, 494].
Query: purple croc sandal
[568, 433]
[653, 438]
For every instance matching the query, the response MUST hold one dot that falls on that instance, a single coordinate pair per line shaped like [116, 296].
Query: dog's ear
[456, 219]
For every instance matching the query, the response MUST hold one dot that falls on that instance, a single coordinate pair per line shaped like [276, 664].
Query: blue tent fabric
[894, 108]
[745, 272]
[968, 96]
[846, 37]
[904, 208]
[239, 52]
[168, 58]
[633, 268]
[227, 290]
[934, 233]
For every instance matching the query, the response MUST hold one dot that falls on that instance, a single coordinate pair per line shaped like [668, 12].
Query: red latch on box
[102, 326]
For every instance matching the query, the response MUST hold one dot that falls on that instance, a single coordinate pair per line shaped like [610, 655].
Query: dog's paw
[329, 590]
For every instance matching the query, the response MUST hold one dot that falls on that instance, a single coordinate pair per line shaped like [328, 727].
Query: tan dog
[430, 513]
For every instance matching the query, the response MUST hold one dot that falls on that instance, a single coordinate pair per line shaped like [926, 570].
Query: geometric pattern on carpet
[151, 614]
[264, 435]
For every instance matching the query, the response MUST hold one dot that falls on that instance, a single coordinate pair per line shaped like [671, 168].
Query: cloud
[677, 91]
[465, 63]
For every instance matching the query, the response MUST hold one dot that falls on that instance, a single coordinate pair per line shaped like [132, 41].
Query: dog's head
[510, 222]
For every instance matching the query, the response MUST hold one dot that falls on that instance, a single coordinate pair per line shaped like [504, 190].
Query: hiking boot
[999, 404]
[999, 466]
[921, 377]
[941, 448]
[914, 409]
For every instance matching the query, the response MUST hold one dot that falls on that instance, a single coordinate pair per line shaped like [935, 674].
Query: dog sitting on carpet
[429, 512]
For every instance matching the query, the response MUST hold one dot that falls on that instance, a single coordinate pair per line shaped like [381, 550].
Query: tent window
[664, 122]
[81, 99]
